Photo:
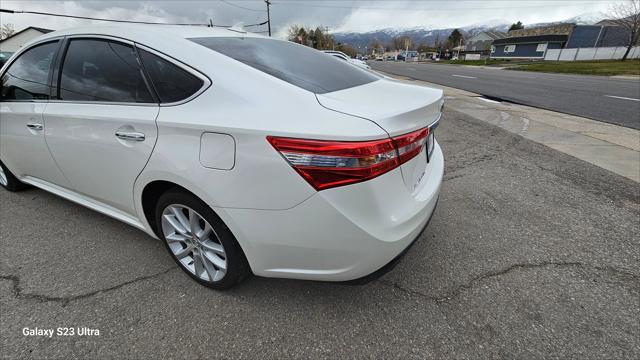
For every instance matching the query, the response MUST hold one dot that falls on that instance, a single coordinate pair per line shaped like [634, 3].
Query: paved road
[594, 97]
[530, 254]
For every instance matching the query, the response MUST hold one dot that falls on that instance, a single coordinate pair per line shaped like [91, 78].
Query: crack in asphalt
[492, 274]
[19, 294]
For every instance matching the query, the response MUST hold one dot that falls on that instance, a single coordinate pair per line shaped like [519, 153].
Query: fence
[593, 53]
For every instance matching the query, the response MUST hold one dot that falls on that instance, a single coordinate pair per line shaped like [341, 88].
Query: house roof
[614, 22]
[496, 34]
[492, 35]
[531, 39]
[553, 29]
[42, 30]
[608, 22]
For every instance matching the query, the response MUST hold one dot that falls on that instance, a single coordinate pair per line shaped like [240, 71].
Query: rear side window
[101, 70]
[27, 78]
[296, 64]
[170, 81]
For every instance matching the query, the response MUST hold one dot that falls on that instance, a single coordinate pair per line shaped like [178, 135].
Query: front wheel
[199, 241]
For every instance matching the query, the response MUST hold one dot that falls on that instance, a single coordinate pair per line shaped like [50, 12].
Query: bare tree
[6, 31]
[627, 15]
[401, 42]
[297, 34]
[376, 47]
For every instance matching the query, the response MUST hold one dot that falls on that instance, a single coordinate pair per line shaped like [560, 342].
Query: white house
[15, 41]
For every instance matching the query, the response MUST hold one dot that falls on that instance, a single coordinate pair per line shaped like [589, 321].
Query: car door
[101, 126]
[23, 98]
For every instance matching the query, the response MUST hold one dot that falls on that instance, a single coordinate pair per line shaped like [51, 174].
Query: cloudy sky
[345, 15]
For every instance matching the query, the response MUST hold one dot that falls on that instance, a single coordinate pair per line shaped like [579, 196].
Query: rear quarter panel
[260, 177]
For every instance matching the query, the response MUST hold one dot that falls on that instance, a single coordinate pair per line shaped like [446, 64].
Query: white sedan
[344, 57]
[243, 154]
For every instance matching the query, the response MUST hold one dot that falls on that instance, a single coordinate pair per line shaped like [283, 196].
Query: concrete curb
[611, 147]
[628, 77]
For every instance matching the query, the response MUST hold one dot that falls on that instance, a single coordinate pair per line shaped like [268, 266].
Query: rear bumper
[339, 234]
[391, 264]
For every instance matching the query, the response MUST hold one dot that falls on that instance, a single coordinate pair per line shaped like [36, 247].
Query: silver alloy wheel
[3, 177]
[194, 242]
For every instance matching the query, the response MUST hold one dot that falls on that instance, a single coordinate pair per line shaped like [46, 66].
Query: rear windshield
[296, 64]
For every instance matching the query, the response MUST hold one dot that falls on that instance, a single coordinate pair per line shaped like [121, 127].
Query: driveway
[531, 253]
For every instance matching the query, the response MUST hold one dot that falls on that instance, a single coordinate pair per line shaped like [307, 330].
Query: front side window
[170, 81]
[296, 64]
[102, 70]
[27, 78]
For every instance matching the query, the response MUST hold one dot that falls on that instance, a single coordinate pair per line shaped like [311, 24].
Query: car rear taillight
[326, 164]
[411, 144]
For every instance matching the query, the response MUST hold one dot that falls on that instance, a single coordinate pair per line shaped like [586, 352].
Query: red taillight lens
[411, 144]
[326, 164]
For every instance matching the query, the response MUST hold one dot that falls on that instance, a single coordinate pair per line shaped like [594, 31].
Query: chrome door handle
[130, 135]
[35, 126]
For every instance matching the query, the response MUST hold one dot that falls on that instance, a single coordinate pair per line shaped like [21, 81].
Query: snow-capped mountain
[385, 36]
[428, 35]
[490, 24]
[586, 18]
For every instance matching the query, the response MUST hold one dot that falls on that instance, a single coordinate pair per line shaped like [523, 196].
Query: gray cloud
[351, 15]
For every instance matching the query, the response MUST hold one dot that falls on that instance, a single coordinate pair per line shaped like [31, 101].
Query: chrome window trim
[206, 82]
[56, 101]
[101, 37]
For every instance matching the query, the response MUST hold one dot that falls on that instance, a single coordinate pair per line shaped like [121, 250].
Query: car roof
[170, 40]
[142, 31]
[167, 39]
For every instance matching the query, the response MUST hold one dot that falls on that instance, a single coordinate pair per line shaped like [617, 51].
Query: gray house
[14, 42]
[526, 47]
[531, 43]
[481, 43]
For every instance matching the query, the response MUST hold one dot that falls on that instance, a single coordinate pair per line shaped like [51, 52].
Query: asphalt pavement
[531, 253]
[609, 99]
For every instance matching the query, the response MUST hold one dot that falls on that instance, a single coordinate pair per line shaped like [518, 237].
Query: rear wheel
[8, 180]
[198, 240]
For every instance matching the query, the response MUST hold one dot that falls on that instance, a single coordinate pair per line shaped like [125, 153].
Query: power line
[241, 7]
[355, 7]
[210, 24]
[103, 19]
[258, 24]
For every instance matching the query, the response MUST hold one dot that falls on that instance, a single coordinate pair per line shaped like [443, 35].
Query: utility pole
[326, 34]
[268, 16]
[406, 53]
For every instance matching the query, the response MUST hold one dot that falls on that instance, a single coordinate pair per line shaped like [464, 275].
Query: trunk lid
[396, 107]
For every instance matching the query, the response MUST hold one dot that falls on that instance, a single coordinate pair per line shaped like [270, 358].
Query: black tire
[12, 183]
[237, 265]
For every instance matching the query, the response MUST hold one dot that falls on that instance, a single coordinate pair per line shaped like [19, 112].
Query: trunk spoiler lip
[333, 101]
